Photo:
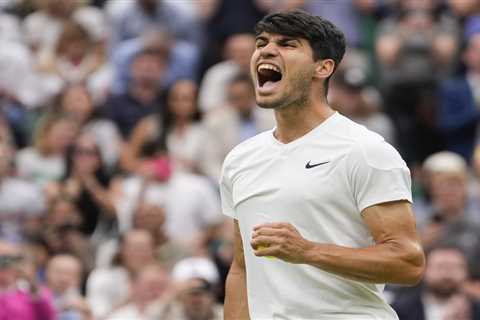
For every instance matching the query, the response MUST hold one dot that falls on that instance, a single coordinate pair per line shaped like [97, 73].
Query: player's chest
[294, 178]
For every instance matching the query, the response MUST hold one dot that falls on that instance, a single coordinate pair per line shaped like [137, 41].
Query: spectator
[77, 102]
[180, 122]
[136, 17]
[150, 285]
[86, 181]
[64, 277]
[460, 101]
[63, 234]
[143, 95]
[353, 98]
[108, 288]
[233, 123]
[17, 301]
[237, 52]
[226, 18]
[20, 200]
[441, 297]
[45, 160]
[43, 27]
[20, 83]
[182, 58]
[189, 221]
[414, 41]
[74, 59]
[195, 301]
[450, 220]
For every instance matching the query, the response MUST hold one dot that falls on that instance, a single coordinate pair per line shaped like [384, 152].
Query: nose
[269, 50]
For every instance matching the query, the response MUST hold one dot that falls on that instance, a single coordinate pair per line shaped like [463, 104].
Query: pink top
[15, 305]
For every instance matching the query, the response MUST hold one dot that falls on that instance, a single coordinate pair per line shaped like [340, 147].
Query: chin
[269, 102]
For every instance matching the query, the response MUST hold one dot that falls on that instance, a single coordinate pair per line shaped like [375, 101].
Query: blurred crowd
[116, 115]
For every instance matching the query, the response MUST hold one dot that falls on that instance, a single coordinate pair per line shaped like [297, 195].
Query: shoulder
[366, 145]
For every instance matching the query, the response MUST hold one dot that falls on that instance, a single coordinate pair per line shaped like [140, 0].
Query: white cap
[195, 267]
[445, 162]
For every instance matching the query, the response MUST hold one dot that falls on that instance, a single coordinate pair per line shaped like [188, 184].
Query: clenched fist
[280, 240]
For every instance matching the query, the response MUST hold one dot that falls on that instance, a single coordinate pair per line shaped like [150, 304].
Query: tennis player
[321, 205]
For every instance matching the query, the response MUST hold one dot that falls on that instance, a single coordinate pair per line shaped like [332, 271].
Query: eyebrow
[283, 39]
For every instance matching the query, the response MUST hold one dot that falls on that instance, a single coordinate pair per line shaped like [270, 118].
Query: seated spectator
[451, 220]
[416, 42]
[149, 217]
[43, 27]
[238, 50]
[180, 122]
[351, 96]
[460, 102]
[45, 160]
[182, 58]
[136, 17]
[63, 234]
[109, 288]
[441, 296]
[20, 83]
[143, 96]
[20, 295]
[149, 286]
[233, 123]
[195, 301]
[20, 200]
[64, 278]
[191, 205]
[75, 58]
[86, 182]
[76, 101]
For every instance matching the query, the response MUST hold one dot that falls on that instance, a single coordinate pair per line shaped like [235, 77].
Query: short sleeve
[226, 194]
[378, 174]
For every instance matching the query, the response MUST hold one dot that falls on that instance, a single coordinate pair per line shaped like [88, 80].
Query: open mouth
[268, 74]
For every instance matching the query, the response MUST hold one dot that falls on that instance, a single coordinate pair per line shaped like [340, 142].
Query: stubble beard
[295, 97]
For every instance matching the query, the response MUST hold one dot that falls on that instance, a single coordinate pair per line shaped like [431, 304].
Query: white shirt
[107, 288]
[191, 204]
[35, 167]
[264, 180]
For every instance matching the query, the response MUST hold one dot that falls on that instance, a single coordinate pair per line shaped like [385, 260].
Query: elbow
[414, 262]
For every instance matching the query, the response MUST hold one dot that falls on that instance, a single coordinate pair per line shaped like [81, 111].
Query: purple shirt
[15, 305]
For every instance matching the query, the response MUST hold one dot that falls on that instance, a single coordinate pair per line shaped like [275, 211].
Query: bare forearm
[236, 304]
[380, 263]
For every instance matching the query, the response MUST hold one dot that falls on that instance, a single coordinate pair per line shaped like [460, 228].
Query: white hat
[445, 162]
[195, 267]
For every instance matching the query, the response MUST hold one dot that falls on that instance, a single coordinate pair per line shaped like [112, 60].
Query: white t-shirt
[190, 202]
[320, 183]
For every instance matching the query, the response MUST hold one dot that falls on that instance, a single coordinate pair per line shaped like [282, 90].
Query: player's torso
[306, 184]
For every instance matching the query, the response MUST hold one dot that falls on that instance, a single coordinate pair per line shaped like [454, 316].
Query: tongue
[269, 85]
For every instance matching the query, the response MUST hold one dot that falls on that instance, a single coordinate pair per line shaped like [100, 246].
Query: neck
[295, 121]
[145, 94]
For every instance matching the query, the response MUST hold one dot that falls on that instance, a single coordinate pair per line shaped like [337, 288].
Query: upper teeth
[268, 66]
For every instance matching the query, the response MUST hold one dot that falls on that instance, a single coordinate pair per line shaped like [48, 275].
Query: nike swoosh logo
[309, 166]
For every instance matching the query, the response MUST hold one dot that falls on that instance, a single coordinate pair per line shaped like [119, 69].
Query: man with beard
[441, 296]
[321, 205]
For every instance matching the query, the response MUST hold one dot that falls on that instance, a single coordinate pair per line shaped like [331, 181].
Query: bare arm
[396, 256]
[130, 159]
[236, 304]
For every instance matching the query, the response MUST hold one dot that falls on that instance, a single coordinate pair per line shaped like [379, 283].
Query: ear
[323, 68]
